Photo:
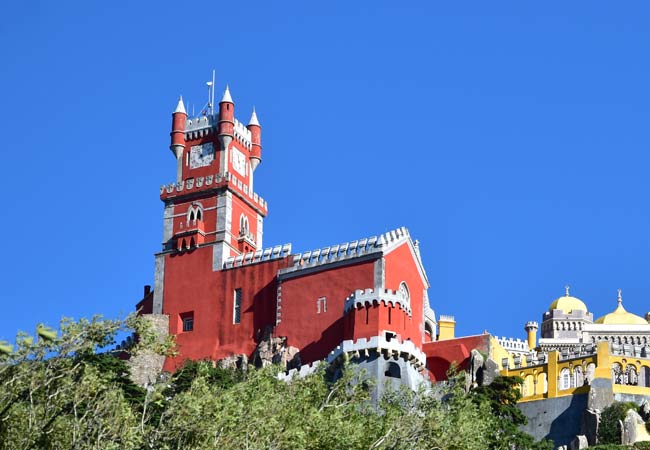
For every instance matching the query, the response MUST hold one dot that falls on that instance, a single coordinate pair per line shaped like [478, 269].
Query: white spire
[226, 96]
[254, 120]
[180, 108]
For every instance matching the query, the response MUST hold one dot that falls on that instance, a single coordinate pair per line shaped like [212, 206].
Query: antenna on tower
[210, 106]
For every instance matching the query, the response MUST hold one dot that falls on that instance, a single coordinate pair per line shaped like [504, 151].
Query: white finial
[254, 120]
[620, 296]
[566, 289]
[226, 96]
[180, 108]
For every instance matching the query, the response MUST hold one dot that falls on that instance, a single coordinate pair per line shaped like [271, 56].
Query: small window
[321, 305]
[187, 321]
[243, 225]
[393, 370]
[236, 317]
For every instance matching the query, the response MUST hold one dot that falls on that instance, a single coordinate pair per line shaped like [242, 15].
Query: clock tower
[211, 209]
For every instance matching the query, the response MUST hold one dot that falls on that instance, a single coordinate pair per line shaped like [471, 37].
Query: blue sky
[511, 138]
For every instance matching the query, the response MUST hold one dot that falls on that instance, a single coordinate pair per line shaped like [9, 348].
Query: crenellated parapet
[369, 297]
[513, 345]
[199, 127]
[242, 134]
[267, 254]
[216, 181]
[389, 347]
[301, 372]
[349, 250]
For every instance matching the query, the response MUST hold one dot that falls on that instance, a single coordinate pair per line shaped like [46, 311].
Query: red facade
[222, 290]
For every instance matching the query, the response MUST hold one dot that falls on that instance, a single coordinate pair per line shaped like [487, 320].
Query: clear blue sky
[511, 138]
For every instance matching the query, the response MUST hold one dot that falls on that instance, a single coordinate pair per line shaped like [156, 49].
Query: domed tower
[564, 322]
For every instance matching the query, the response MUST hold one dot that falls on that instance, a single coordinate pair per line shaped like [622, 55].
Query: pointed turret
[179, 116]
[226, 96]
[180, 108]
[254, 120]
[226, 122]
[256, 140]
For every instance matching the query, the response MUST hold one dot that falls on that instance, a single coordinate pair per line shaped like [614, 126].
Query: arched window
[578, 377]
[191, 214]
[404, 291]
[565, 379]
[243, 225]
[393, 370]
[199, 215]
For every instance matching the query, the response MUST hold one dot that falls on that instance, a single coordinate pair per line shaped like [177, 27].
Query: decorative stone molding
[279, 251]
[227, 178]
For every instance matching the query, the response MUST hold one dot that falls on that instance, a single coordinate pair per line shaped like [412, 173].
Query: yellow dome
[621, 317]
[568, 304]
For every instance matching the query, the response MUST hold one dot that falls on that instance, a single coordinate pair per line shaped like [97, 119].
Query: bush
[609, 430]
[610, 447]
[642, 445]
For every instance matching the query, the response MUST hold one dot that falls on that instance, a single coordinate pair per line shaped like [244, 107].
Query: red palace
[222, 292]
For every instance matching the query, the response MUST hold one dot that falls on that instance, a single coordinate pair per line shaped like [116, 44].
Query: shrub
[609, 430]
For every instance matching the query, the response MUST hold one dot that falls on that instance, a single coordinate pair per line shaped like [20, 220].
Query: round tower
[531, 328]
[226, 120]
[256, 140]
[177, 146]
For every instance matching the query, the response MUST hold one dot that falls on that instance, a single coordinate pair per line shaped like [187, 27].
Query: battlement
[512, 344]
[531, 324]
[446, 318]
[268, 254]
[215, 181]
[301, 372]
[349, 250]
[198, 127]
[242, 134]
[362, 298]
[392, 347]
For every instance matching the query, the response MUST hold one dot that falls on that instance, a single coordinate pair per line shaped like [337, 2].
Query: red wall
[441, 354]
[190, 285]
[401, 266]
[318, 334]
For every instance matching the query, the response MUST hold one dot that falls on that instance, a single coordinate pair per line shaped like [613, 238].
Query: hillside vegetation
[62, 390]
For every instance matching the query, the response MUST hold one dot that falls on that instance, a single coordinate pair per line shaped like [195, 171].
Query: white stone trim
[394, 347]
[268, 254]
[368, 297]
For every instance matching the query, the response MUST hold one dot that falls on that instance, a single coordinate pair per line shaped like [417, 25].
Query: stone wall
[558, 419]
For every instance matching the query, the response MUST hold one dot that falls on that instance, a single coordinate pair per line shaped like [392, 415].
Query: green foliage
[61, 391]
[609, 429]
[610, 447]
[642, 445]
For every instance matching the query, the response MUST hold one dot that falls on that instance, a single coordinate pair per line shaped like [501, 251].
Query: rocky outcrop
[274, 350]
[579, 443]
[146, 365]
[634, 429]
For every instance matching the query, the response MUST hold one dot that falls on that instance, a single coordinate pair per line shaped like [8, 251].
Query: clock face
[239, 161]
[201, 155]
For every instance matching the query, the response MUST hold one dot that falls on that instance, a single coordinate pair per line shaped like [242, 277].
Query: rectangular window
[321, 305]
[236, 316]
[187, 321]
